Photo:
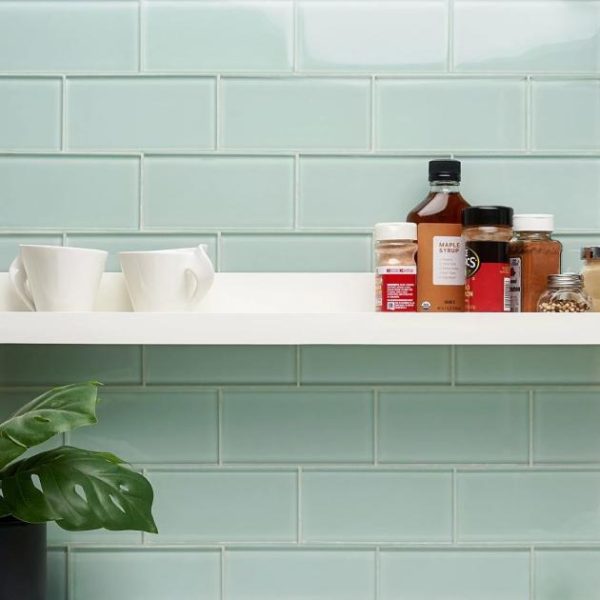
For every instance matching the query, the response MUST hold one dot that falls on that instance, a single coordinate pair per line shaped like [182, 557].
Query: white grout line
[140, 40]
[144, 365]
[295, 37]
[69, 575]
[63, 114]
[528, 115]
[219, 251]
[296, 193]
[531, 573]
[450, 40]
[453, 364]
[141, 164]
[298, 366]
[373, 122]
[454, 506]
[531, 405]
[222, 573]
[299, 533]
[377, 572]
[220, 427]
[375, 427]
[218, 112]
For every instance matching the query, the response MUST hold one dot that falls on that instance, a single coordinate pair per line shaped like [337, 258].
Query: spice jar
[565, 293]
[396, 269]
[487, 231]
[533, 256]
[591, 274]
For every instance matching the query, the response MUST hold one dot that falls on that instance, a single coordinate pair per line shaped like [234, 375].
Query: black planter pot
[22, 560]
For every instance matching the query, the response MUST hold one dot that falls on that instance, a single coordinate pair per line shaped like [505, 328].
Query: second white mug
[167, 280]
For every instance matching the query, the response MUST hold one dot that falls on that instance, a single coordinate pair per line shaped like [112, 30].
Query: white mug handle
[201, 272]
[18, 277]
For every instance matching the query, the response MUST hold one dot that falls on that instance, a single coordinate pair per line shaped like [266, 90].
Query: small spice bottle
[396, 269]
[565, 293]
[487, 231]
[591, 274]
[533, 256]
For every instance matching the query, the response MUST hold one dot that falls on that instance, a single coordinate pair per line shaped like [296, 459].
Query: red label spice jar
[396, 269]
[487, 231]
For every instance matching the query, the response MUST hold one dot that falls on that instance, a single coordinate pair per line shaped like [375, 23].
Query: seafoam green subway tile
[566, 427]
[296, 113]
[528, 364]
[47, 364]
[566, 115]
[68, 36]
[115, 243]
[369, 506]
[296, 252]
[297, 426]
[69, 192]
[222, 192]
[154, 426]
[210, 365]
[530, 35]
[528, 506]
[537, 185]
[446, 427]
[205, 36]
[225, 506]
[373, 36]
[485, 114]
[9, 245]
[57, 574]
[333, 190]
[300, 574]
[374, 364]
[140, 113]
[146, 574]
[572, 574]
[30, 113]
[445, 574]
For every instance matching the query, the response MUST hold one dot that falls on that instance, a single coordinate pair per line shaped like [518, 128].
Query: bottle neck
[533, 235]
[445, 186]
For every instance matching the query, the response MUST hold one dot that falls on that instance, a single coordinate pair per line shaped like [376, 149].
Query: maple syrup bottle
[441, 254]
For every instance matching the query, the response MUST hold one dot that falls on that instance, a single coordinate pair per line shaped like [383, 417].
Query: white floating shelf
[283, 309]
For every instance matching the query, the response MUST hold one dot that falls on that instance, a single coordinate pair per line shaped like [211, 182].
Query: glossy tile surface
[67, 192]
[374, 364]
[295, 113]
[365, 506]
[460, 114]
[218, 191]
[300, 574]
[447, 574]
[44, 365]
[154, 426]
[372, 36]
[565, 427]
[30, 113]
[230, 506]
[333, 190]
[574, 574]
[141, 113]
[446, 427]
[146, 575]
[207, 365]
[57, 574]
[566, 115]
[206, 36]
[295, 252]
[527, 364]
[534, 506]
[114, 244]
[537, 185]
[529, 35]
[68, 36]
[297, 427]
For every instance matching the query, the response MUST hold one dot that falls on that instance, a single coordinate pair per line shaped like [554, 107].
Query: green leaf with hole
[80, 490]
[57, 410]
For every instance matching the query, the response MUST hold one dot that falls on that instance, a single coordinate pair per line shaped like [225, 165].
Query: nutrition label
[397, 289]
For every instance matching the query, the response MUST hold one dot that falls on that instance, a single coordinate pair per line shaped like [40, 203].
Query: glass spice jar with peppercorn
[565, 294]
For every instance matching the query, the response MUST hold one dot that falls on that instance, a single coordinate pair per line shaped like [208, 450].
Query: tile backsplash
[278, 132]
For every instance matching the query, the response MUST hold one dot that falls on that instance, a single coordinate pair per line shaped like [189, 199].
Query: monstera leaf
[58, 410]
[79, 489]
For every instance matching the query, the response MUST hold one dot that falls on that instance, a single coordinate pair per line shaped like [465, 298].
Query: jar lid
[533, 222]
[565, 280]
[590, 252]
[487, 215]
[395, 231]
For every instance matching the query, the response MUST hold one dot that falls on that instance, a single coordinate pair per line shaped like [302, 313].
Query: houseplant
[78, 489]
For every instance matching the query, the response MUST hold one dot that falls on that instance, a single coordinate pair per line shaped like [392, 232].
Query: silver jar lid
[565, 280]
[590, 252]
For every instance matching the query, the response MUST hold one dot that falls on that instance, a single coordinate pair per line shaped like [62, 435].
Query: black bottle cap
[444, 170]
[487, 215]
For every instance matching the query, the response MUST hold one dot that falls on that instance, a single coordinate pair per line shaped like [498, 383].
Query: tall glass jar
[396, 269]
[565, 293]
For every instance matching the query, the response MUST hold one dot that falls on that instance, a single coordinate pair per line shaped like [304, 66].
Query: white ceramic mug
[57, 278]
[167, 280]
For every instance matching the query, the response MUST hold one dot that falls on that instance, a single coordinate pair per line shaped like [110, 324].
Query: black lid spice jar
[487, 231]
